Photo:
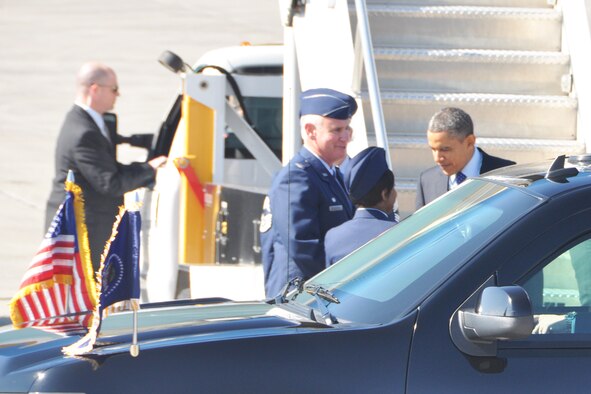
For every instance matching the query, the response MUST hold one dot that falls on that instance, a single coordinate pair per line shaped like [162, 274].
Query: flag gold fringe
[83, 244]
[15, 315]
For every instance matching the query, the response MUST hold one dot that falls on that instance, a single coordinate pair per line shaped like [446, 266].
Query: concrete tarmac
[42, 45]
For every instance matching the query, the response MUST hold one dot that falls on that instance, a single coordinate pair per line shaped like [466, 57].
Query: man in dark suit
[452, 141]
[371, 189]
[307, 197]
[85, 147]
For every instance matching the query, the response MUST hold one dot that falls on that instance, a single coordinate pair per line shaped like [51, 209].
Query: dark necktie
[460, 177]
[339, 176]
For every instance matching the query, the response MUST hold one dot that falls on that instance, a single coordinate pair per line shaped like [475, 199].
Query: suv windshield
[389, 276]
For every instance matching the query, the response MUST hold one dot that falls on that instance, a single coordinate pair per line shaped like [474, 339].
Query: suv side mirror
[499, 313]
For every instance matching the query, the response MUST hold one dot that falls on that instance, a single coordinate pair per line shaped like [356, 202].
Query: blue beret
[362, 172]
[328, 103]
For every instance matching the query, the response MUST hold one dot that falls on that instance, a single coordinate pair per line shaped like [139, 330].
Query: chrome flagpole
[134, 349]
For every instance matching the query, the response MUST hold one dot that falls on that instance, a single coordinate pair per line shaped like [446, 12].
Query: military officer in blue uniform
[371, 189]
[308, 196]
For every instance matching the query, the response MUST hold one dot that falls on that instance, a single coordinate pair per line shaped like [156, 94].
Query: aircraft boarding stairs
[505, 62]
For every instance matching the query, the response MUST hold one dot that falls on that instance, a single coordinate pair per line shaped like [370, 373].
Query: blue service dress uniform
[305, 202]
[367, 224]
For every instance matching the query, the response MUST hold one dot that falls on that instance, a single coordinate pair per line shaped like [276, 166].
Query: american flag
[58, 291]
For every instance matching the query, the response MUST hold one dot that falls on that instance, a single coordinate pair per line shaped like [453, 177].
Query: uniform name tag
[333, 208]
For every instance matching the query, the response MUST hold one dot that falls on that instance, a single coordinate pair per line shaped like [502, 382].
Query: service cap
[328, 103]
[362, 172]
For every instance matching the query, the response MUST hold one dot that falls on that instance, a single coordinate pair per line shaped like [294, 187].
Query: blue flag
[120, 274]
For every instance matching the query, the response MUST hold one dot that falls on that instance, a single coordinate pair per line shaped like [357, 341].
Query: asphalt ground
[42, 45]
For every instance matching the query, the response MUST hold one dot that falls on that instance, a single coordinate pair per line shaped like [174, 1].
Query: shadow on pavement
[4, 321]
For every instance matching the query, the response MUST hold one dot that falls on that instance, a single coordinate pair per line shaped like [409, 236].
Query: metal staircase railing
[364, 46]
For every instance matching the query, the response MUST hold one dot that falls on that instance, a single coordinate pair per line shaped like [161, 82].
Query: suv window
[561, 292]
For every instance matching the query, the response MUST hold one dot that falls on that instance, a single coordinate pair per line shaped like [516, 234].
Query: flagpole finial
[133, 201]
[70, 177]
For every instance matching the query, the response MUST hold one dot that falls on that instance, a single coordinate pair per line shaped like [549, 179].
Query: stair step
[406, 190]
[500, 56]
[406, 184]
[496, 3]
[411, 155]
[464, 27]
[494, 115]
[471, 70]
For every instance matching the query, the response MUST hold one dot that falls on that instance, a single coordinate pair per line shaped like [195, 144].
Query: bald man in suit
[85, 147]
[452, 141]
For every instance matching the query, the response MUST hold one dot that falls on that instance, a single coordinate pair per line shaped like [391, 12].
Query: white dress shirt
[471, 169]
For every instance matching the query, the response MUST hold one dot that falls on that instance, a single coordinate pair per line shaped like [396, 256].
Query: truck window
[266, 113]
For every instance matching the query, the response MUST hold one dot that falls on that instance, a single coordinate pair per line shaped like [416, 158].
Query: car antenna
[557, 172]
[557, 164]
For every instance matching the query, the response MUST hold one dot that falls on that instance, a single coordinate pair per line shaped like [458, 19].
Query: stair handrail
[364, 33]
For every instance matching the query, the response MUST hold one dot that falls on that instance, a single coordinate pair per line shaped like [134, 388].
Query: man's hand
[158, 162]
[549, 324]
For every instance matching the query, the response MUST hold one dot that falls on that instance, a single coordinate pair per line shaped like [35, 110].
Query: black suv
[487, 289]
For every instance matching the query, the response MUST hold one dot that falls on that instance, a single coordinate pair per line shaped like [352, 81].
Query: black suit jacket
[433, 182]
[83, 149]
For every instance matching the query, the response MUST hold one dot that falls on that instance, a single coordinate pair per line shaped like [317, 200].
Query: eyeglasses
[114, 89]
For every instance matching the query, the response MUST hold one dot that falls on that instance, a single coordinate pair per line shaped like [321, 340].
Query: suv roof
[547, 177]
